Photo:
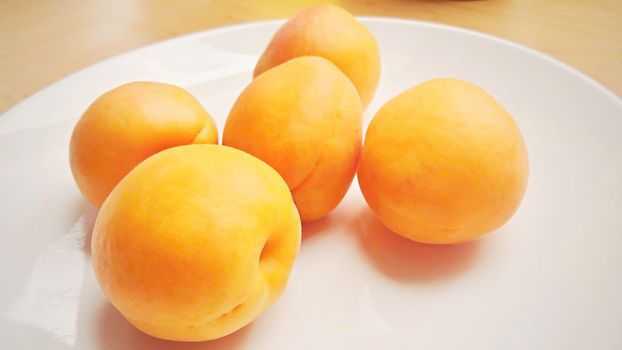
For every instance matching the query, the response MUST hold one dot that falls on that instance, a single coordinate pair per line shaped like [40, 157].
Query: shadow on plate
[311, 228]
[408, 261]
[115, 332]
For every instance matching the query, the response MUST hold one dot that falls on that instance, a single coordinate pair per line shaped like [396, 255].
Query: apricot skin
[126, 125]
[443, 163]
[333, 33]
[304, 119]
[196, 242]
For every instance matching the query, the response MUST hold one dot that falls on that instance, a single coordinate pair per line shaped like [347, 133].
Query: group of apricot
[194, 240]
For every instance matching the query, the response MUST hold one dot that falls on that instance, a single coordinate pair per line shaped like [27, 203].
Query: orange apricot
[304, 119]
[443, 162]
[196, 242]
[333, 33]
[126, 125]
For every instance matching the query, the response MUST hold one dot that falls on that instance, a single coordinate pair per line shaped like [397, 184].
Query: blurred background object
[44, 40]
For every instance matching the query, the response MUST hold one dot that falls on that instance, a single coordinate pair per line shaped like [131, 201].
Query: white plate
[549, 279]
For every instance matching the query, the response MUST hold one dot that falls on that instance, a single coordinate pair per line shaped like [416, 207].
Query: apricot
[333, 33]
[304, 119]
[126, 125]
[196, 242]
[443, 162]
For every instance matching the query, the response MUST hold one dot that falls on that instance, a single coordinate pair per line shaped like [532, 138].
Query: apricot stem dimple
[203, 135]
[265, 252]
[233, 310]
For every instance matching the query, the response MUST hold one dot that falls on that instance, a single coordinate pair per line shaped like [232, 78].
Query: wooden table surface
[42, 41]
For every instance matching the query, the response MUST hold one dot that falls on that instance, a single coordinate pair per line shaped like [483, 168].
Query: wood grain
[42, 41]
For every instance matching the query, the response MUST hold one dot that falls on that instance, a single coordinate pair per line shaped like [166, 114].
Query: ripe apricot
[126, 125]
[443, 162]
[196, 242]
[304, 119]
[333, 33]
